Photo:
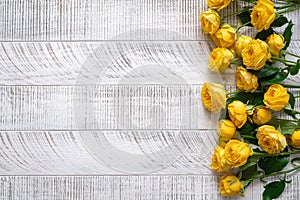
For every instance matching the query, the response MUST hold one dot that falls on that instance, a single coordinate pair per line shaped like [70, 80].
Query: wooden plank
[105, 107]
[192, 187]
[66, 20]
[140, 152]
[77, 63]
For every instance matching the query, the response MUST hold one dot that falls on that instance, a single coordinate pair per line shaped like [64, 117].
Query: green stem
[285, 6]
[287, 62]
[291, 120]
[277, 154]
[243, 25]
[274, 174]
[290, 86]
[235, 13]
[286, 52]
[235, 63]
[296, 97]
[288, 10]
[280, 1]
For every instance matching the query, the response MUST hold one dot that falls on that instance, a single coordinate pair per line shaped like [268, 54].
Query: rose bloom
[270, 140]
[276, 97]
[295, 139]
[225, 36]
[230, 185]
[213, 97]
[220, 59]
[226, 129]
[241, 43]
[237, 153]
[276, 43]
[245, 80]
[255, 54]
[210, 21]
[262, 115]
[218, 162]
[263, 15]
[237, 113]
[218, 4]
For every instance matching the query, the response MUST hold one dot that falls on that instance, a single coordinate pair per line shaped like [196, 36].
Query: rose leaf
[252, 161]
[245, 17]
[273, 190]
[287, 127]
[267, 70]
[264, 34]
[273, 164]
[250, 172]
[295, 68]
[278, 77]
[280, 21]
[287, 34]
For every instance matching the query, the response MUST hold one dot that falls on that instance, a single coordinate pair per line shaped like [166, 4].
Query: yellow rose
[226, 129]
[225, 36]
[210, 21]
[276, 97]
[213, 97]
[237, 153]
[230, 185]
[237, 113]
[262, 115]
[218, 4]
[276, 43]
[218, 162]
[295, 139]
[263, 15]
[241, 43]
[245, 80]
[220, 59]
[255, 54]
[270, 140]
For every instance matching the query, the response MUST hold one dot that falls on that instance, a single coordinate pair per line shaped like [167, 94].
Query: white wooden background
[49, 91]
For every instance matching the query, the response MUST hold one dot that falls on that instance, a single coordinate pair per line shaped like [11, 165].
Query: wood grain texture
[106, 107]
[71, 63]
[67, 20]
[78, 63]
[141, 93]
[151, 187]
[70, 153]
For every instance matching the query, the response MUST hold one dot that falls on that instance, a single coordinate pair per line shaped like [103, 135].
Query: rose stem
[284, 51]
[288, 10]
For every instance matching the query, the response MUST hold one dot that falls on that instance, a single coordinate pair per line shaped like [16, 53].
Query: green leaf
[287, 127]
[252, 161]
[273, 122]
[290, 111]
[248, 132]
[287, 34]
[223, 114]
[250, 172]
[273, 164]
[294, 69]
[280, 21]
[247, 97]
[278, 77]
[245, 17]
[292, 100]
[273, 190]
[267, 70]
[264, 34]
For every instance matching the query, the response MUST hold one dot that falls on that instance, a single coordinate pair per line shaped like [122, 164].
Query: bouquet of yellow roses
[259, 128]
